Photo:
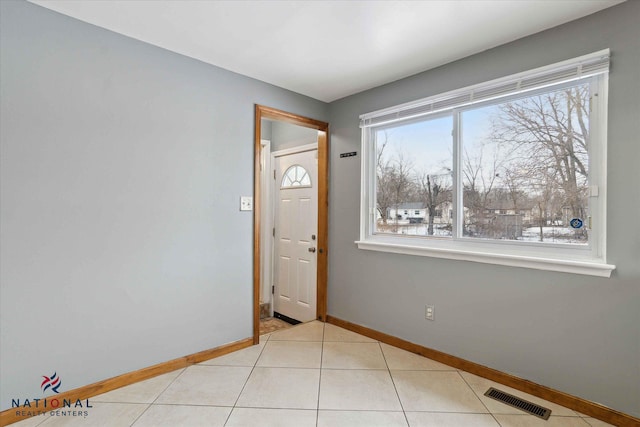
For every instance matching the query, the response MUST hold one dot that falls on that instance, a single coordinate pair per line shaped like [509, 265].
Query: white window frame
[579, 259]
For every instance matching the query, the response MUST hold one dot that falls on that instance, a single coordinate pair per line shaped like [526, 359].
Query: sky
[429, 144]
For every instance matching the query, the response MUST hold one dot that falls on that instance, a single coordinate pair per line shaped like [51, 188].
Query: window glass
[510, 171]
[525, 168]
[295, 176]
[414, 164]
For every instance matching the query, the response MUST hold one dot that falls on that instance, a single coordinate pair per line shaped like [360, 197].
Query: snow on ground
[557, 234]
[551, 234]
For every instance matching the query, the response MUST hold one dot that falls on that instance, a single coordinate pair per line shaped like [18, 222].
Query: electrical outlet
[429, 312]
[246, 203]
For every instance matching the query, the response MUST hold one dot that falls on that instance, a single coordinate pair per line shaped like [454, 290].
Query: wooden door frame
[263, 112]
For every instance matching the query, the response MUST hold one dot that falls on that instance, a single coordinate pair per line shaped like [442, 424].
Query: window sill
[586, 267]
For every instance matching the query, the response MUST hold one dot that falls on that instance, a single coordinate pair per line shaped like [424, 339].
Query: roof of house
[410, 205]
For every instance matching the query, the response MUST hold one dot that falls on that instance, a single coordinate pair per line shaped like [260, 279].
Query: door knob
[312, 249]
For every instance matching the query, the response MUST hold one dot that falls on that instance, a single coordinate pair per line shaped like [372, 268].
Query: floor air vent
[521, 404]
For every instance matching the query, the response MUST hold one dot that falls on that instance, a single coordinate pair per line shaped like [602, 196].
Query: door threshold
[286, 318]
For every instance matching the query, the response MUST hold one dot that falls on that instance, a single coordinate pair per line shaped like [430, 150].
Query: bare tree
[401, 182]
[543, 183]
[394, 183]
[514, 181]
[480, 176]
[551, 133]
[433, 190]
[384, 179]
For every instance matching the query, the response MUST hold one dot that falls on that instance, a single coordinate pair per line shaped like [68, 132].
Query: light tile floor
[316, 375]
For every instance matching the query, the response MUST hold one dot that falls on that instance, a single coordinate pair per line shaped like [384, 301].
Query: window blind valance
[565, 71]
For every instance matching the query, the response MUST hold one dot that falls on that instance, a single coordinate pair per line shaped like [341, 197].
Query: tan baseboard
[10, 416]
[583, 406]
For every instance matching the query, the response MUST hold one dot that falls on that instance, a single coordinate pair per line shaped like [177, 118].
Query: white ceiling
[327, 49]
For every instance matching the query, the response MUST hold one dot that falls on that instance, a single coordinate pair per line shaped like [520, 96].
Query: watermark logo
[52, 406]
[52, 383]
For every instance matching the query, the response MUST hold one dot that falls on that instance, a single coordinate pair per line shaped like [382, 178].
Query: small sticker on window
[576, 223]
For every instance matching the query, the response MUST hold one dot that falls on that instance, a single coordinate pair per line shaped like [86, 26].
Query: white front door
[296, 224]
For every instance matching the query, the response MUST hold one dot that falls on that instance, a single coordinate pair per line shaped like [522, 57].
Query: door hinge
[273, 232]
[274, 174]
[273, 289]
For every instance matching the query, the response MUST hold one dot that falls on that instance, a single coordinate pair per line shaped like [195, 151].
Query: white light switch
[246, 203]
[429, 311]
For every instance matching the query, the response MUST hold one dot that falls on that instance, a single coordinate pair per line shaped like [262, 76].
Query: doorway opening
[287, 190]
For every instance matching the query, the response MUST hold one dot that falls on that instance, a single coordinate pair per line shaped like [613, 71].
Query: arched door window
[295, 177]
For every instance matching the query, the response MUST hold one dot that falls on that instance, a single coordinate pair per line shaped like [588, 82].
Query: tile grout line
[515, 414]
[41, 422]
[247, 380]
[406, 419]
[149, 405]
[322, 341]
[324, 328]
[382, 411]
[585, 420]
[141, 414]
[478, 397]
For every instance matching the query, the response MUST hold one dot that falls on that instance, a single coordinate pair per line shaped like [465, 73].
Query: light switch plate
[429, 312]
[246, 203]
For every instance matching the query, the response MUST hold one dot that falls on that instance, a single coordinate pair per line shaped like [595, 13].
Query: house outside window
[518, 164]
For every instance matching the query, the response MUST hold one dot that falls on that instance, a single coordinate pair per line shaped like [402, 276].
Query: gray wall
[577, 334]
[265, 130]
[122, 245]
[286, 135]
[122, 167]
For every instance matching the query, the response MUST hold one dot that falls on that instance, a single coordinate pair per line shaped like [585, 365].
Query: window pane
[295, 176]
[525, 168]
[414, 165]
